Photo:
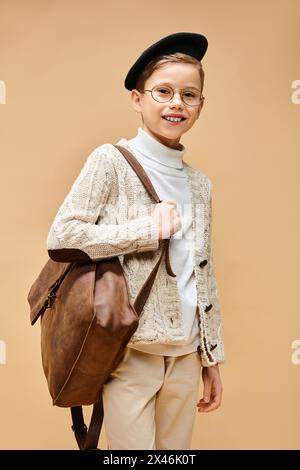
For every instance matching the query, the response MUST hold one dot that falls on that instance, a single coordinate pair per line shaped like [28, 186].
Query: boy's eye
[163, 91]
[189, 94]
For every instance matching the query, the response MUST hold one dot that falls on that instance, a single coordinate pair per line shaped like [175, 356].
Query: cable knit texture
[165, 168]
[107, 212]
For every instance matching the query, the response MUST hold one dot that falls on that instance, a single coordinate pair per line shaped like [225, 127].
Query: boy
[150, 399]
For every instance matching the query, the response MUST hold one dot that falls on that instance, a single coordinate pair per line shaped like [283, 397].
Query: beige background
[63, 63]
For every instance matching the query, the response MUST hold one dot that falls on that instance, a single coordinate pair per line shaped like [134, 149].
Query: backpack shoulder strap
[137, 167]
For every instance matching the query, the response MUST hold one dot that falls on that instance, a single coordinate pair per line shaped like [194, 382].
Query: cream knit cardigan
[107, 213]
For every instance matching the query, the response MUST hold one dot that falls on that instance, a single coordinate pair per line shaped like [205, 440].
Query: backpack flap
[43, 289]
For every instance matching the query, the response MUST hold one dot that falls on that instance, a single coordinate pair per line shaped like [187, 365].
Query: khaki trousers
[150, 401]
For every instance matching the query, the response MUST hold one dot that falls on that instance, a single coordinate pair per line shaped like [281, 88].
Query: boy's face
[178, 76]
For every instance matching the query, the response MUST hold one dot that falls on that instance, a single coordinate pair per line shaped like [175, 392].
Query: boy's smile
[161, 119]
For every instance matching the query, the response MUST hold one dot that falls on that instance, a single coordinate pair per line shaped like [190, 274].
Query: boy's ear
[136, 100]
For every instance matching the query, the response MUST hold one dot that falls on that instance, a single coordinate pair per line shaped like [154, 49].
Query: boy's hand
[167, 218]
[212, 393]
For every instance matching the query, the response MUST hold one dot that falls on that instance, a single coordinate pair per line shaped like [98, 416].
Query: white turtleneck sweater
[165, 169]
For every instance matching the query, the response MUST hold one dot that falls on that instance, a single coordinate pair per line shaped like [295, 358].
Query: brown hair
[163, 59]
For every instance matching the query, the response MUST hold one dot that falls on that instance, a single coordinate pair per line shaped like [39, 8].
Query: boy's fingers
[214, 404]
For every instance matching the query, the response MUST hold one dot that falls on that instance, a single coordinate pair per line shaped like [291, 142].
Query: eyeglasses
[163, 94]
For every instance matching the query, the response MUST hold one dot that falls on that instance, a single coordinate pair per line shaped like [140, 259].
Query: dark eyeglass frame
[181, 90]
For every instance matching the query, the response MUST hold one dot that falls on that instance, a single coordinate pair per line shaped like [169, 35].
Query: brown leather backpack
[87, 320]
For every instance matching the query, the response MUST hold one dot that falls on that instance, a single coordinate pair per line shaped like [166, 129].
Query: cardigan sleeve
[214, 315]
[77, 233]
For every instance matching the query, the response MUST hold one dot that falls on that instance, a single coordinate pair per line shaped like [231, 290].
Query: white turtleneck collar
[155, 150]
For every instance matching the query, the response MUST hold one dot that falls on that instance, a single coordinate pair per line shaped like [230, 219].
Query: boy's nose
[176, 99]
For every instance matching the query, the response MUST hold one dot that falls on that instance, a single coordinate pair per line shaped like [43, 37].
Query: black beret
[193, 44]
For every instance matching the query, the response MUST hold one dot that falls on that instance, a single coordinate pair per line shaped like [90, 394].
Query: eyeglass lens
[189, 96]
